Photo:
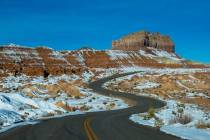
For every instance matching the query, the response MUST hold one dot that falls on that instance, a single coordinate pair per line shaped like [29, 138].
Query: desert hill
[137, 49]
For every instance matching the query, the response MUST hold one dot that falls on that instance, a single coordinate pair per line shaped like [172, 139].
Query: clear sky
[71, 24]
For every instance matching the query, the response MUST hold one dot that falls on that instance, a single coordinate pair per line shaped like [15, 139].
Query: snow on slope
[16, 53]
[165, 54]
[156, 55]
[117, 54]
[163, 71]
[166, 115]
[16, 106]
[146, 85]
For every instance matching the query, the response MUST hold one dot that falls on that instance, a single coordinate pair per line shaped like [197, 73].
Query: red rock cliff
[138, 49]
[143, 40]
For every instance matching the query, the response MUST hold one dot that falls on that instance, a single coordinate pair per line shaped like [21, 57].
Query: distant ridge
[126, 52]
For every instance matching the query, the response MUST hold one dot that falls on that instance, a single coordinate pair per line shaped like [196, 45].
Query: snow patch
[166, 114]
[146, 85]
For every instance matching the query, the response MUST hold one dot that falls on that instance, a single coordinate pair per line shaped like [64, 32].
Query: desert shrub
[146, 117]
[159, 122]
[181, 118]
[110, 106]
[104, 102]
[181, 105]
[45, 74]
[77, 97]
[65, 106]
[174, 112]
[90, 100]
[85, 108]
[180, 112]
[1, 122]
[24, 116]
[203, 125]
[58, 112]
[151, 112]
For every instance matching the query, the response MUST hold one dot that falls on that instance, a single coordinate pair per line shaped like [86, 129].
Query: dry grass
[65, 106]
[52, 90]
[125, 85]
[170, 87]
[136, 78]
[28, 91]
[151, 112]
[1, 87]
[159, 123]
[78, 83]
[66, 87]
[182, 119]
[84, 108]
[110, 106]
[69, 89]
[203, 125]
[73, 91]
[198, 101]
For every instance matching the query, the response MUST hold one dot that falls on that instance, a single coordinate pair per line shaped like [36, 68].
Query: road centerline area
[89, 131]
[108, 125]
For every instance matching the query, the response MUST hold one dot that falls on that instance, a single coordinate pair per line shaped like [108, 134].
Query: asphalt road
[105, 125]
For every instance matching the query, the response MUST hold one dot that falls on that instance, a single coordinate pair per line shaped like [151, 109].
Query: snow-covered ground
[163, 70]
[171, 119]
[168, 120]
[16, 106]
[195, 95]
[158, 55]
[148, 71]
[146, 85]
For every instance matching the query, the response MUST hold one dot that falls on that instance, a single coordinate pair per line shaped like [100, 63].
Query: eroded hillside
[138, 49]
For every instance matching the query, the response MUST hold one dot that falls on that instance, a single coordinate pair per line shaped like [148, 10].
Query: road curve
[104, 125]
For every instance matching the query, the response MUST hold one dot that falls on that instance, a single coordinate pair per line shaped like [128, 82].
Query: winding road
[104, 125]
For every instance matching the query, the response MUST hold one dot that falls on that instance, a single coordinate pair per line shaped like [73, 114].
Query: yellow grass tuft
[65, 106]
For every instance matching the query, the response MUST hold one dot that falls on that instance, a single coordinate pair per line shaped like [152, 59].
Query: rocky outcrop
[154, 50]
[143, 40]
[36, 61]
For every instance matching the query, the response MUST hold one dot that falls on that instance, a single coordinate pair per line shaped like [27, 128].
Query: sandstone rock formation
[154, 50]
[143, 40]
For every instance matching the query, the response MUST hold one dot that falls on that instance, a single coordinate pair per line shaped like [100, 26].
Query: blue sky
[71, 24]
